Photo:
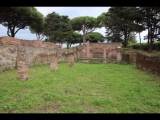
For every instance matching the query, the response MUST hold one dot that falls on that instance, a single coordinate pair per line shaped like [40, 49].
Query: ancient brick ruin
[71, 60]
[54, 63]
[20, 54]
[22, 64]
[102, 52]
[36, 52]
[148, 63]
[6, 40]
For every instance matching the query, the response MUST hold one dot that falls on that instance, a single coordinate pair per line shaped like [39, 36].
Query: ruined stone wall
[97, 49]
[6, 40]
[8, 54]
[31, 52]
[129, 55]
[50, 45]
[108, 51]
[36, 52]
[81, 51]
[148, 63]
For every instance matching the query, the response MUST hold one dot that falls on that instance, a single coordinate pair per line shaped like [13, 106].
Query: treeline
[121, 24]
[53, 27]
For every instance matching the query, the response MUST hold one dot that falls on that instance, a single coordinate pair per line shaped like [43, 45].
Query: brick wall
[6, 40]
[31, 52]
[148, 63]
[107, 51]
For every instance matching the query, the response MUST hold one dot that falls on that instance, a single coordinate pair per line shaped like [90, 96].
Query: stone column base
[54, 64]
[23, 72]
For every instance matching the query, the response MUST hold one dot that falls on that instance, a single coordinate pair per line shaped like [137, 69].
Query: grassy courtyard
[84, 88]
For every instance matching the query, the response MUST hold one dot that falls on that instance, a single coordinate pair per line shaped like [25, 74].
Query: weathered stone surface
[99, 50]
[88, 49]
[50, 45]
[104, 61]
[119, 55]
[71, 60]
[35, 52]
[112, 55]
[54, 63]
[23, 70]
[31, 55]
[148, 63]
[104, 53]
[8, 55]
[6, 40]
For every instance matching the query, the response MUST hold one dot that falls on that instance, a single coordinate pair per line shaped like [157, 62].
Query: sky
[71, 12]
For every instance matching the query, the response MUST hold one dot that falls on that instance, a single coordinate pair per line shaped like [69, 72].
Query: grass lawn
[84, 88]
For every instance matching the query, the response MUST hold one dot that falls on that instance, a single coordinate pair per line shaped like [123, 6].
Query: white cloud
[102, 31]
[142, 34]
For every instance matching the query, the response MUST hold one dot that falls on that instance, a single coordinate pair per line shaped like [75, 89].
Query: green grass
[84, 88]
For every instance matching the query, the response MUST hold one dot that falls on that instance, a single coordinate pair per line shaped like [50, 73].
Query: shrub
[144, 46]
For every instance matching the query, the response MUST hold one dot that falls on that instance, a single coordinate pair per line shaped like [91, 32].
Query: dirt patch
[88, 109]
[53, 107]
[26, 90]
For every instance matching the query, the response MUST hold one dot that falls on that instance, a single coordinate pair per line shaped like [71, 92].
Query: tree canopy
[86, 24]
[16, 18]
[57, 28]
[120, 22]
[38, 29]
[151, 22]
[74, 38]
[95, 37]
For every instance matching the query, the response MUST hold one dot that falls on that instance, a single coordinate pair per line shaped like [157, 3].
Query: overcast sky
[69, 11]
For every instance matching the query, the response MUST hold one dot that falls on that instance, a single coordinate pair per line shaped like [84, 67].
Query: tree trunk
[140, 40]
[67, 45]
[125, 40]
[84, 38]
[8, 32]
[149, 39]
[150, 47]
[39, 36]
[12, 33]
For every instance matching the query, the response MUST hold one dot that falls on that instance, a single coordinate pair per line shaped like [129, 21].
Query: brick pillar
[54, 64]
[71, 60]
[23, 70]
[22, 63]
[104, 55]
[75, 53]
[88, 46]
[119, 55]
[78, 56]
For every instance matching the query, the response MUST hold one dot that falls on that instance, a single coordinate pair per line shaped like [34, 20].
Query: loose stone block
[54, 64]
[119, 56]
[23, 72]
[71, 60]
